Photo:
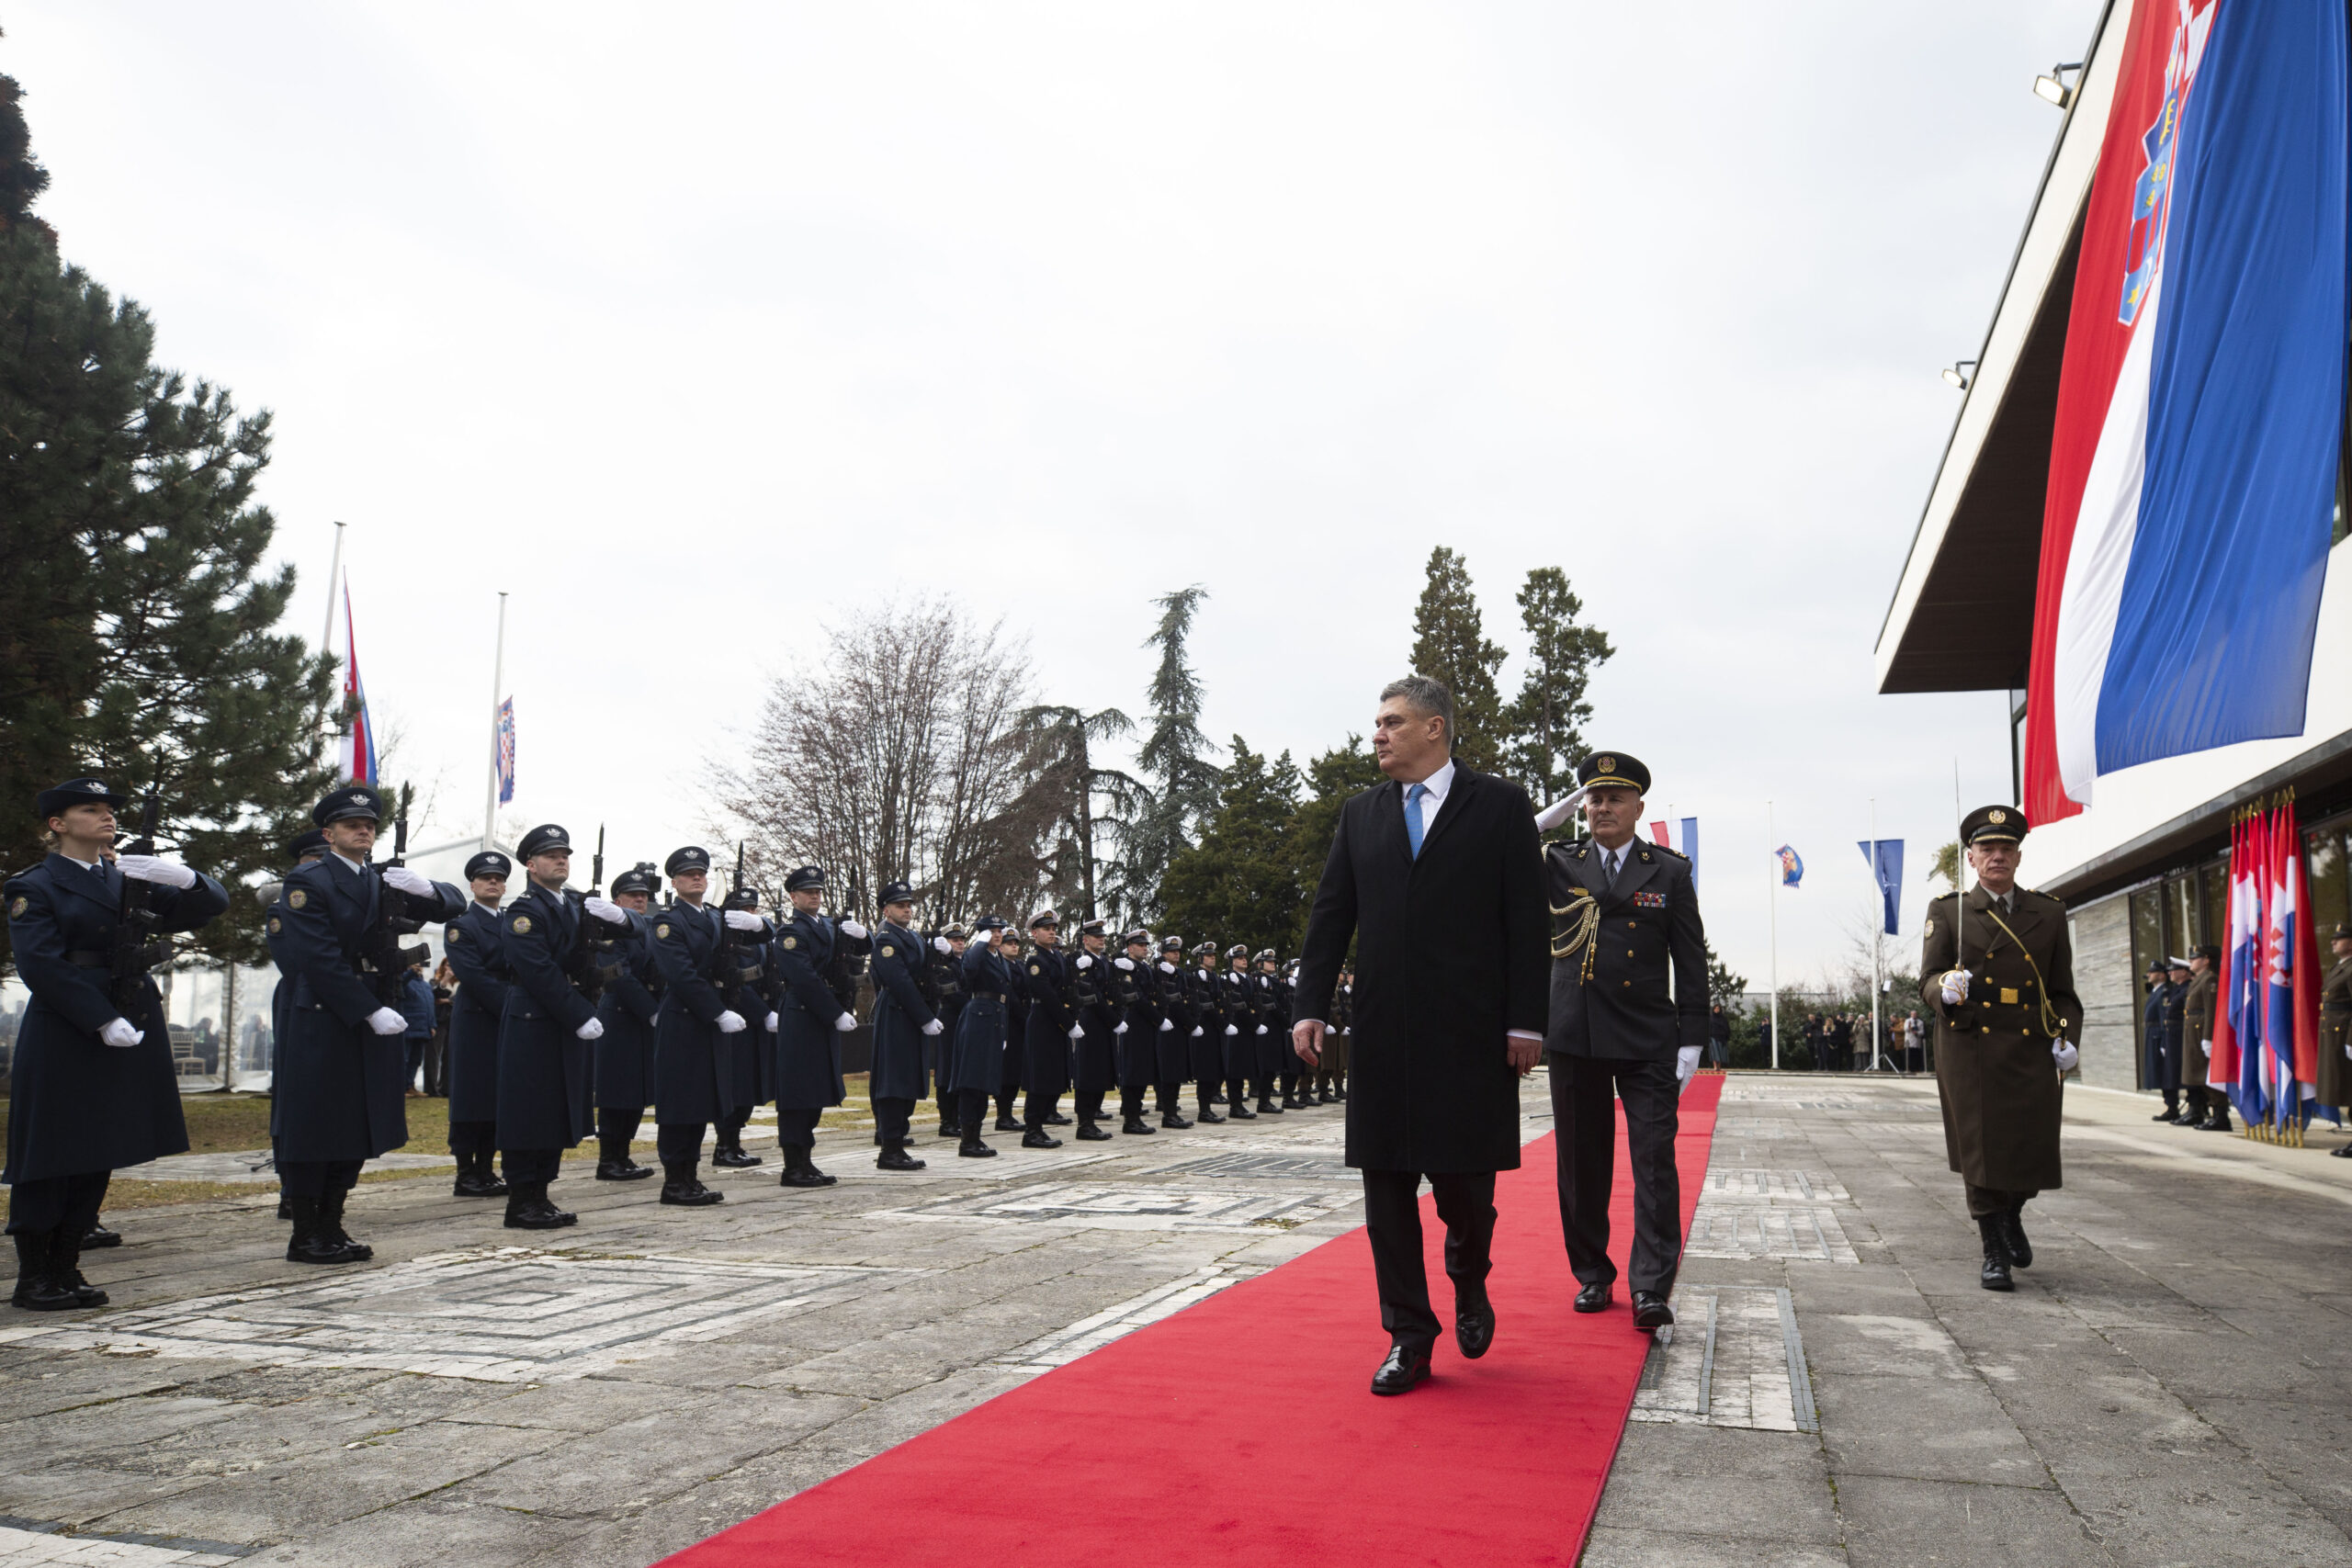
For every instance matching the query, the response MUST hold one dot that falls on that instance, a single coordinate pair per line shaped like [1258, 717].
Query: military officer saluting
[623, 1081]
[2334, 1085]
[93, 1088]
[812, 1020]
[2000, 980]
[472, 945]
[343, 1073]
[976, 1061]
[903, 1024]
[697, 1033]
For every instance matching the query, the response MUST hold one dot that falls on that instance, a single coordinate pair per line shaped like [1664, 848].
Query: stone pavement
[2167, 1385]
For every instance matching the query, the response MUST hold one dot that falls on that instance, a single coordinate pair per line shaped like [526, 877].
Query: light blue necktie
[1413, 816]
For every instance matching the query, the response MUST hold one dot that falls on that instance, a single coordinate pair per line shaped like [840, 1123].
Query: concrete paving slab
[1892, 1522]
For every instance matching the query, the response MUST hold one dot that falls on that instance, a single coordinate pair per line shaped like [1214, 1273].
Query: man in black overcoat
[1436, 877]
[1629, 918]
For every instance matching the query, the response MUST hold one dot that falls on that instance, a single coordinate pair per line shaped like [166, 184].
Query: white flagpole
[326, 633]
[497, 690]
[1878, 885]
[1773, 902]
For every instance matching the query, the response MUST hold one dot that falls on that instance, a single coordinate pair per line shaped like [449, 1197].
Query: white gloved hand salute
[941, 944]
[729, 1023]
[605, 909]
[408, 880]
[1166, 967]
[2065, 1055]
[118, 1032]
[1954, 985]
[743, 920]
[164, 873]
[1086, 960]
[388, 1021]
[934, 1026]
[592, 1030]
[1261, 1029]
[1686, 1065]
[851, 930]
[1229, 1029]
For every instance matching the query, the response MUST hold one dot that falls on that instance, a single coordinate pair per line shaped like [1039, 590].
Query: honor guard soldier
[945, 960]
[1237, 995]
[976, 1060]
[812, 1018]
[1626, 918]
[754, 1081]
[2334, 1084]
[1013, 1071]
[1145, 1013]
[335, 933]
[1206, 998]
[1297, 1078]
[2000, 980]
[309, 845]
[92, 1089]
[1270, 1003]
[2210, 1100]
[696, 1034]
[1173, 1046]
[1052, 1027]
[903, 1025]
[475, 950]
[560, 952]
[1331, 1072]
[1094, 1001]
[623, 1081]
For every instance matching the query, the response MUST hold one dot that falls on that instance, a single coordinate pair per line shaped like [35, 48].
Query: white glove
[941, 944]
[1086, 960]
[171, 874]
[743, 920]
[1121, 1029]
[730, 1023]
[605, 909]
[844, 1023]
[1166, 967]
[1167, 1024]
[2065, 1055]
[1195, 1034]
[408, 880]
[1559, 811]
[592, 1030]
[775, 1022]
[934, 1026]
[1229, 1029]
[1955, 987]
[1686, 1063]
[1078, 1031]
[2207, 1047]
[388, 1021]
[1126, 963]
[851, 930]
[1261, 1029]
[118, 1032]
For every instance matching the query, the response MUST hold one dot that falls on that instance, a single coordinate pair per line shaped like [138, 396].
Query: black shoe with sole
[1208, 1118]
[98, 1236]
[1009, 1124]
[1176, 1122]
[1995, 1274]
[1404, 1369]
[895, 1157]
[621, 1170]
[972, 1148]
[1241, 1112]
[1650, 1310]
[733, 1158]
[1473, 1329]
[1038, 1138]
[1087, 1132]
[1593, 1298]
[1138, 1125]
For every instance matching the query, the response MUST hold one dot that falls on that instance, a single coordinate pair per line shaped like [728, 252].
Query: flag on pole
[2222, 1067]
[359, 731]
[1690, 845]
[506, 752]
[1658, 832]
[1792, 867]
[2200, 408]
[1885, 860]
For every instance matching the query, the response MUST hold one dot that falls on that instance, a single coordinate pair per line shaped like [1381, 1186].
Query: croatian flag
[2192, 461]
[360, 738]
[506, 752]
[1681, 836]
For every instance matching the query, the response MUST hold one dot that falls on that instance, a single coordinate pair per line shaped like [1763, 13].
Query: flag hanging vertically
[2192, 462]
[1690, 845]
[2222, 1067]
[359, 731]
[506, 752]
[1885, 860]
[1792, 867]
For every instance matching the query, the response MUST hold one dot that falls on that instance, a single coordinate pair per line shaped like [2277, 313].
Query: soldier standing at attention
[308, 846]
[1177, 1023]
[976, 1061]
[697, 1034]
[1102, 1024]
[342, 1090]
[624, 1076]
[1014, 1068]
[1052, 1025]
[1205, 997]
[2000, 979]
[811, 1021]
[1145, 1024]
[1244, 1067]
[755, 1064]
[93, 1088]
[903, 1024]
[2334, 1085]
[472, 945]
[1332, 1077]
[945, 960]
[550, 1023]
[2210, 1100]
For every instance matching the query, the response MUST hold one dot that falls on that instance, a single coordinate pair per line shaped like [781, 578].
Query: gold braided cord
[2050, 1021]
[1583, 916]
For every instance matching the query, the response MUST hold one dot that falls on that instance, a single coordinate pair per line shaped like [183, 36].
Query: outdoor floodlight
[2053, 88]
[1961, 374]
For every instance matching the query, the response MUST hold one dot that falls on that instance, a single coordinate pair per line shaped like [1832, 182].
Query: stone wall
[2111, 992]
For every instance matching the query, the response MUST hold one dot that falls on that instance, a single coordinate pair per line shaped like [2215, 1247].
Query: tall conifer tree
[1174, 761]
[1547, 737]
[1450, 644]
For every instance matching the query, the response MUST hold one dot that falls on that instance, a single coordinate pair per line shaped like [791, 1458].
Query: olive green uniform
[2334, 1086]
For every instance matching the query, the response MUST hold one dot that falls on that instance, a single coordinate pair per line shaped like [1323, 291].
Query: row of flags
[359, 756]
[2265, 1033]
[1883, 856]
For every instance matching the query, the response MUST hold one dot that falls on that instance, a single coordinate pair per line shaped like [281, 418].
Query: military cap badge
[522, 925]
[1997, 815]
[1607, 764]
[297, 898]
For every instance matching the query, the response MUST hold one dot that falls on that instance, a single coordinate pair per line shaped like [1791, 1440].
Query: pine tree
[1060, 744]
[1545, 740]
[1182, 781]
[1240, 881]
[135, 622]
[1450, 644]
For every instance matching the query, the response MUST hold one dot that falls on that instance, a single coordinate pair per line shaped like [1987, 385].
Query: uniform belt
[88, 959]
[987, 997]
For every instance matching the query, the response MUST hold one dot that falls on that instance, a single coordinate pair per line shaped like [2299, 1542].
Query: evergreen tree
[1240, 881]
[1545, 740]
[1723, 985]
[1059, 743]
[1182, 787]
[135, 618]
[1331, 778]
[1450, 644]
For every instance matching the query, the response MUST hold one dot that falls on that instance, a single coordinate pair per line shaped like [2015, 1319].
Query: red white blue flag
[359, 736]
[506, 752]
[2201, 406]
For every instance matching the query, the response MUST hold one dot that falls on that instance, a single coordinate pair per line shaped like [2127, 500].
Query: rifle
[739, 962]
[383, 962]
[849, 956]
[136, 952]
[593, 962]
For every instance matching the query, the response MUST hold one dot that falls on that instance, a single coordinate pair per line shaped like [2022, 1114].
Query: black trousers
[531, 1165]
[616, 1129]
[1584, 1114]
[798, 1129]
[679, 1143]
[972, 1110]
[317, 1178]
[472, 1138]
[891, 1118]
[52, 1203]
[1391, 1217]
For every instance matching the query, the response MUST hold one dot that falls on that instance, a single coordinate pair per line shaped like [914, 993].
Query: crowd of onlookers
[1820, 1041]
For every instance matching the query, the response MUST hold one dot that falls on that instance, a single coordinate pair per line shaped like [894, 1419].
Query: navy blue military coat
[900, 1014]
[624, 1057]
[477, 956]
[755, 1066]
[1140, 1047]
[1096, 1054]
[77, 1106]
[1044, 980]
[543, 1064]
[977, 1060]
[693, 1065]
[808, 1047]
[1648, 925]
[342, 1087]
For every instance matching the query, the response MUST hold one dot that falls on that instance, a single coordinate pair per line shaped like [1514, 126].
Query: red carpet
[1241, 1430]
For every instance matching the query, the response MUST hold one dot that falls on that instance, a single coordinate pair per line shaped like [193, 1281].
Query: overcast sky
[694, 325]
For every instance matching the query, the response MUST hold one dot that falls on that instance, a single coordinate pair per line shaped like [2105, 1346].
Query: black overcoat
[1618, 1006]
[1452, 953]
[1046, 1035]
[543, 1064]
[977, 1059]
[900, 1014]
[475, 952]
[809, 1042]
[624, 1076]
[77, 1105]
[693, 1065]
[1205, 1039]
[1098, 1055]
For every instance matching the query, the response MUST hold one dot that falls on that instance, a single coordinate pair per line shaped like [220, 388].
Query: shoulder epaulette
[1670, 850]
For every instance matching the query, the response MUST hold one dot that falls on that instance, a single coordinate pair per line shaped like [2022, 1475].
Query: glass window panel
[2147, 945]
[2181, 912]
[2323, 853]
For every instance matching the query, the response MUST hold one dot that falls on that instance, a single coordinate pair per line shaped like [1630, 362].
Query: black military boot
[799, 1170]
[1266, 1106]
[1087, 1132]
[331, 1221]
[681, 1190]
[894, 1157]
[98, 1236]
[614, 1165]
[948, 1126]
[286, 1205]
[36, 1290]
[2013, 1238]
[1995, 1275]
[1171, 1111]
[477, 1177]
[1236, 1108]
[2219, 1122]
[65, 1270]
[1134, 1122]
[1206, 1115]
[730, 1151]
[312, 1241]
[1006, 1121]
[1038, 1138]
[527, 1207]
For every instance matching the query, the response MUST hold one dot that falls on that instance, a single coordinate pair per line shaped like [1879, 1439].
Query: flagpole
[497, 685]
[1772, 903]
[326, 633]
[1878, 878]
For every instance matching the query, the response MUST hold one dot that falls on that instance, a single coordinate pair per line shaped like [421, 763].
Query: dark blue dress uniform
[1096, 1059]
[897, 1079]
[1206, 1037]
[1046, 982]
[624, 1078]
[946, 992]
[543, 1064]
[754, 1074]
[1234, 1004]
[476, 952]
[1014, 1069]
[694, 1063]
[976, 1060]
[1135, 1003]
[809, 1050]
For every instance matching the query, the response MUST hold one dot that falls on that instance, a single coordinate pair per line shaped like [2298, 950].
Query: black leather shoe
[950, 1130]
[1266, 1107]
[621, 1170]
[1138, 1125]
[98, 1235]
[2343, 1153]
[2013, 1238]
[1008, 1125]
[38, 1293]
[1650, 1310]
[1208, 1118]
[1473, 1329]
[686, 1192]
[1241, 1112]
[895, 1157]
[1038, 1138]
[1176, 1122]
[1087, 1132]
[2166, 1114]
[1995, 1274]
[2220, 1123]
[972, 1148]
[1404, 1367]
[803, 1175]
[735, 1159]
[1055, 1119]
[1593, 1298]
